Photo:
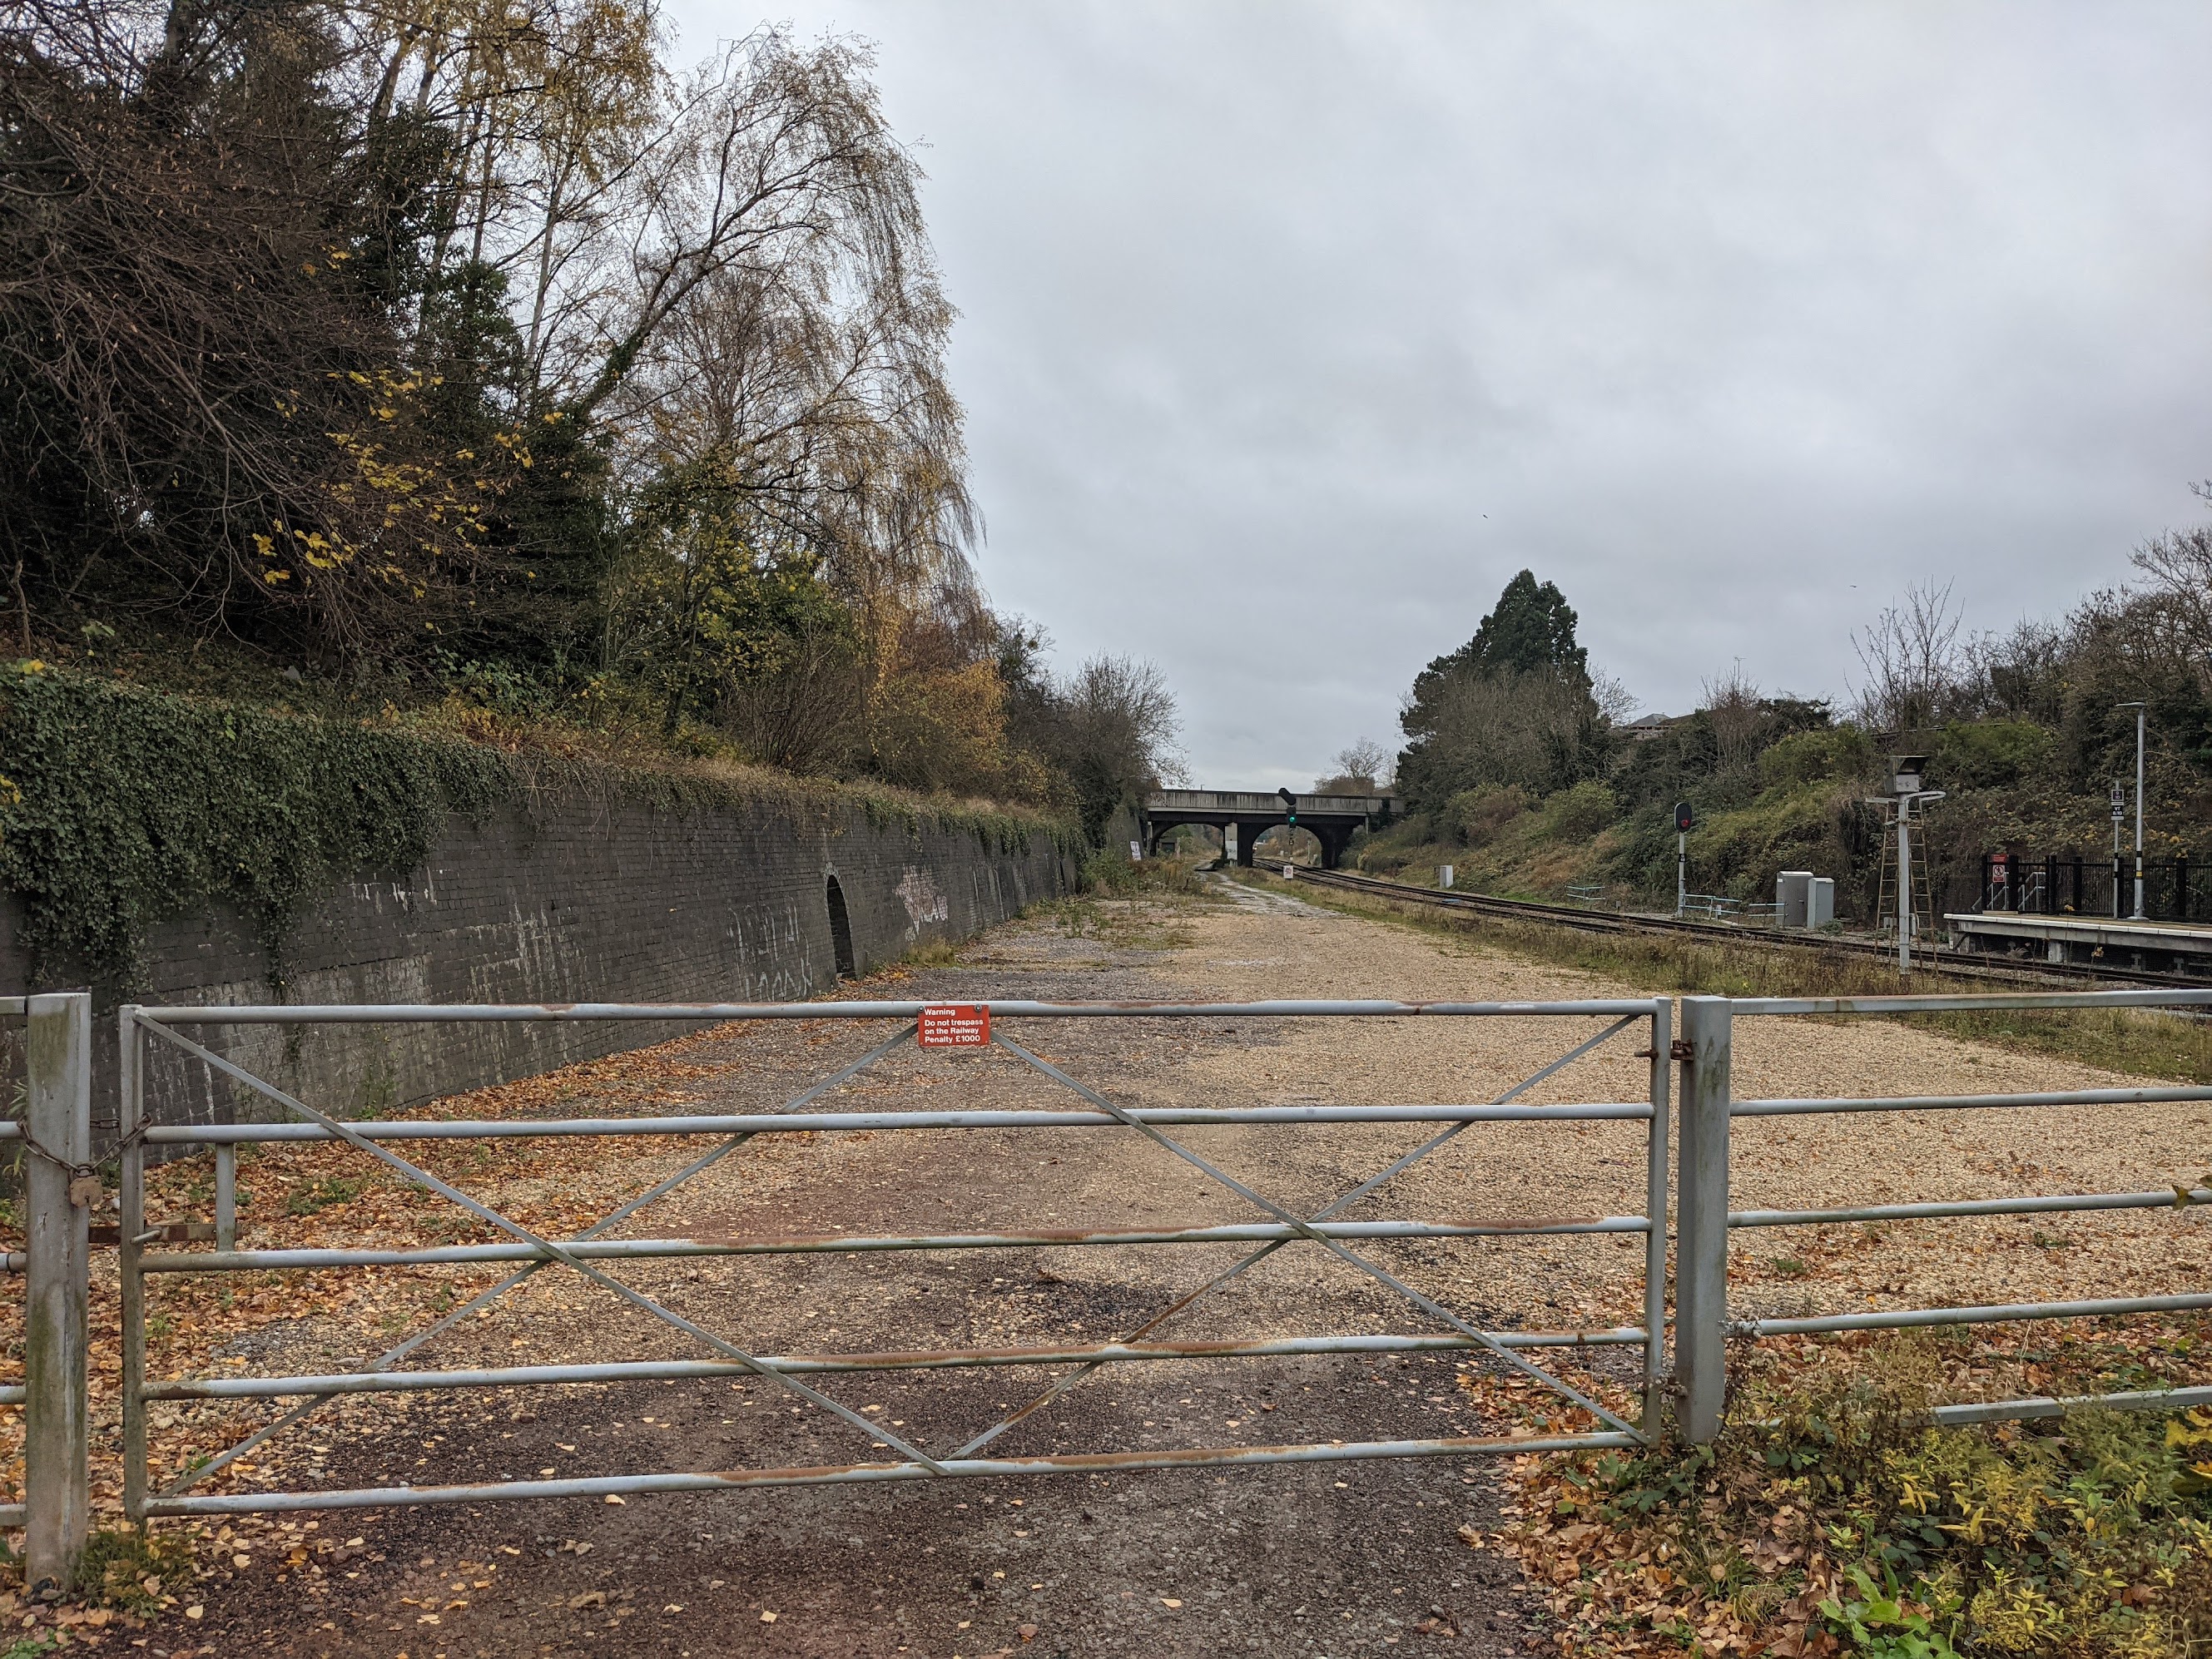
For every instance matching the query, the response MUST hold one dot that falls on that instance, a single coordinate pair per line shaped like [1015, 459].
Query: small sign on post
[957, 1025]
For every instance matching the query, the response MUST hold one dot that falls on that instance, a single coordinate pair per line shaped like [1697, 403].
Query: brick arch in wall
[840, 927]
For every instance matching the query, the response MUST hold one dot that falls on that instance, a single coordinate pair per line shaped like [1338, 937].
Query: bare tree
[1614, 701]
[1362, 769]
[1537, 729]
[2178, 568]
[1916, 674]
[2021, 672]
[1732, 704]
[203, 416]
[1110, 728]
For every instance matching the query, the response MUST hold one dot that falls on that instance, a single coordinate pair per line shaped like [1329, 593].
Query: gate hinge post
[1701, 1237]
[57, 1430]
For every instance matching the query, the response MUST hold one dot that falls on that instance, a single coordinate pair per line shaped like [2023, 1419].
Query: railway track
[1935, 958]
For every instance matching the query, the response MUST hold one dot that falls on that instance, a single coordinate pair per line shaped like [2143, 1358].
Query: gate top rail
[463, 1013]
[785, 1123]
[13, 1005]
[2181, 996]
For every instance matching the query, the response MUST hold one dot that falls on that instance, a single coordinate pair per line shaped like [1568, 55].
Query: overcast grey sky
[1289, 331]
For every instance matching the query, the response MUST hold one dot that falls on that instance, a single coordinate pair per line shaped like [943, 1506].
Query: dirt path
[1313, 1560]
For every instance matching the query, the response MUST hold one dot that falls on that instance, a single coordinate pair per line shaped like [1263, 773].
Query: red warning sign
[958, 1026]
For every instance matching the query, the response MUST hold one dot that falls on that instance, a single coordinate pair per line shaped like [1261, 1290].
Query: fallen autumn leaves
[1825, 1522]
[323, 1196]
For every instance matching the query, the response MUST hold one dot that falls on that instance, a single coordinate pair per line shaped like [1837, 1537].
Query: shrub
[1108, 872]
[1829, 1515]
[1584, 810]
[128, 1568]
[1810, 757]
[1475, 815]
[1985, 754]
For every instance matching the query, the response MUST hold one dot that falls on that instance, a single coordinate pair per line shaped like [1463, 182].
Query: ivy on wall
[121, 806]
[129, 806]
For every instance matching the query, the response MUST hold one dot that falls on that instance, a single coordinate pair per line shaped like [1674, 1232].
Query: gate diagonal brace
[877, 1432]
[1305, 1228]
[1065, 1383]
[391, 1356]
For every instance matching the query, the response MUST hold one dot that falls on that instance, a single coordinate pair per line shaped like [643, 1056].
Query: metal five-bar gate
[1703, 1324]
[61, 1185]
[597, 1259]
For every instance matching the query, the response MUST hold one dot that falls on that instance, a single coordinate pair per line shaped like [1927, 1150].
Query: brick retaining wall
[588, 901]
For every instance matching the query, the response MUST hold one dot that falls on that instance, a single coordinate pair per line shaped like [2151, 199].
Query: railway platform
[2170, 947]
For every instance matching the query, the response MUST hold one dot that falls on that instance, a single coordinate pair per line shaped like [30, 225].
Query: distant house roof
[1646, 726]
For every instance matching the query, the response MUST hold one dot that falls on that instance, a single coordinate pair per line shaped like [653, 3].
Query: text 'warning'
[958, 1026]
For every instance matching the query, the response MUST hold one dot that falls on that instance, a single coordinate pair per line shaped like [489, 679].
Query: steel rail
[1342, 1452]
[1913, 1318]
[2173, 1198]
[1794, 1107]
[497, 1012]
[656, 1370]
[654, 1249]
[1965, 964]
[201, 1134]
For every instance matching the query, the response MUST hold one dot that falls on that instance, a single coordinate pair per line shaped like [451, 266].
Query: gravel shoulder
[1311, 1560]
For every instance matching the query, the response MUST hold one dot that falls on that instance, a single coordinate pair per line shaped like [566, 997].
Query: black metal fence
[2174, 890]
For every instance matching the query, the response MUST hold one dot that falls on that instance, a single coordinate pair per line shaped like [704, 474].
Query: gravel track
[1318, 1560]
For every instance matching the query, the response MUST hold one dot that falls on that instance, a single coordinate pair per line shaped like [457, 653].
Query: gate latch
[1680, 1049]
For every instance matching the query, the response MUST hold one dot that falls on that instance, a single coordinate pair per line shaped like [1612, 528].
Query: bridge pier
[1331, 819]
[1334, 840]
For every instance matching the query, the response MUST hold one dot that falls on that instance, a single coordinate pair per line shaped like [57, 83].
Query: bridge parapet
[1331, 818]
[1254, 803]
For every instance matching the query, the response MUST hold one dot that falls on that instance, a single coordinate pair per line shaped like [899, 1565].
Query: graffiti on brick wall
[924, 900]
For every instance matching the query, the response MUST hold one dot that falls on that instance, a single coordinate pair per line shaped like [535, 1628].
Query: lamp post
[2140, 711]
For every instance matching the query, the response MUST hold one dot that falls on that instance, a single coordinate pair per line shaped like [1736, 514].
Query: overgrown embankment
[1521, 773]
[122, 807]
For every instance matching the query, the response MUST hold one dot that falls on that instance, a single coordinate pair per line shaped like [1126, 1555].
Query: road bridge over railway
[1331, 818]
